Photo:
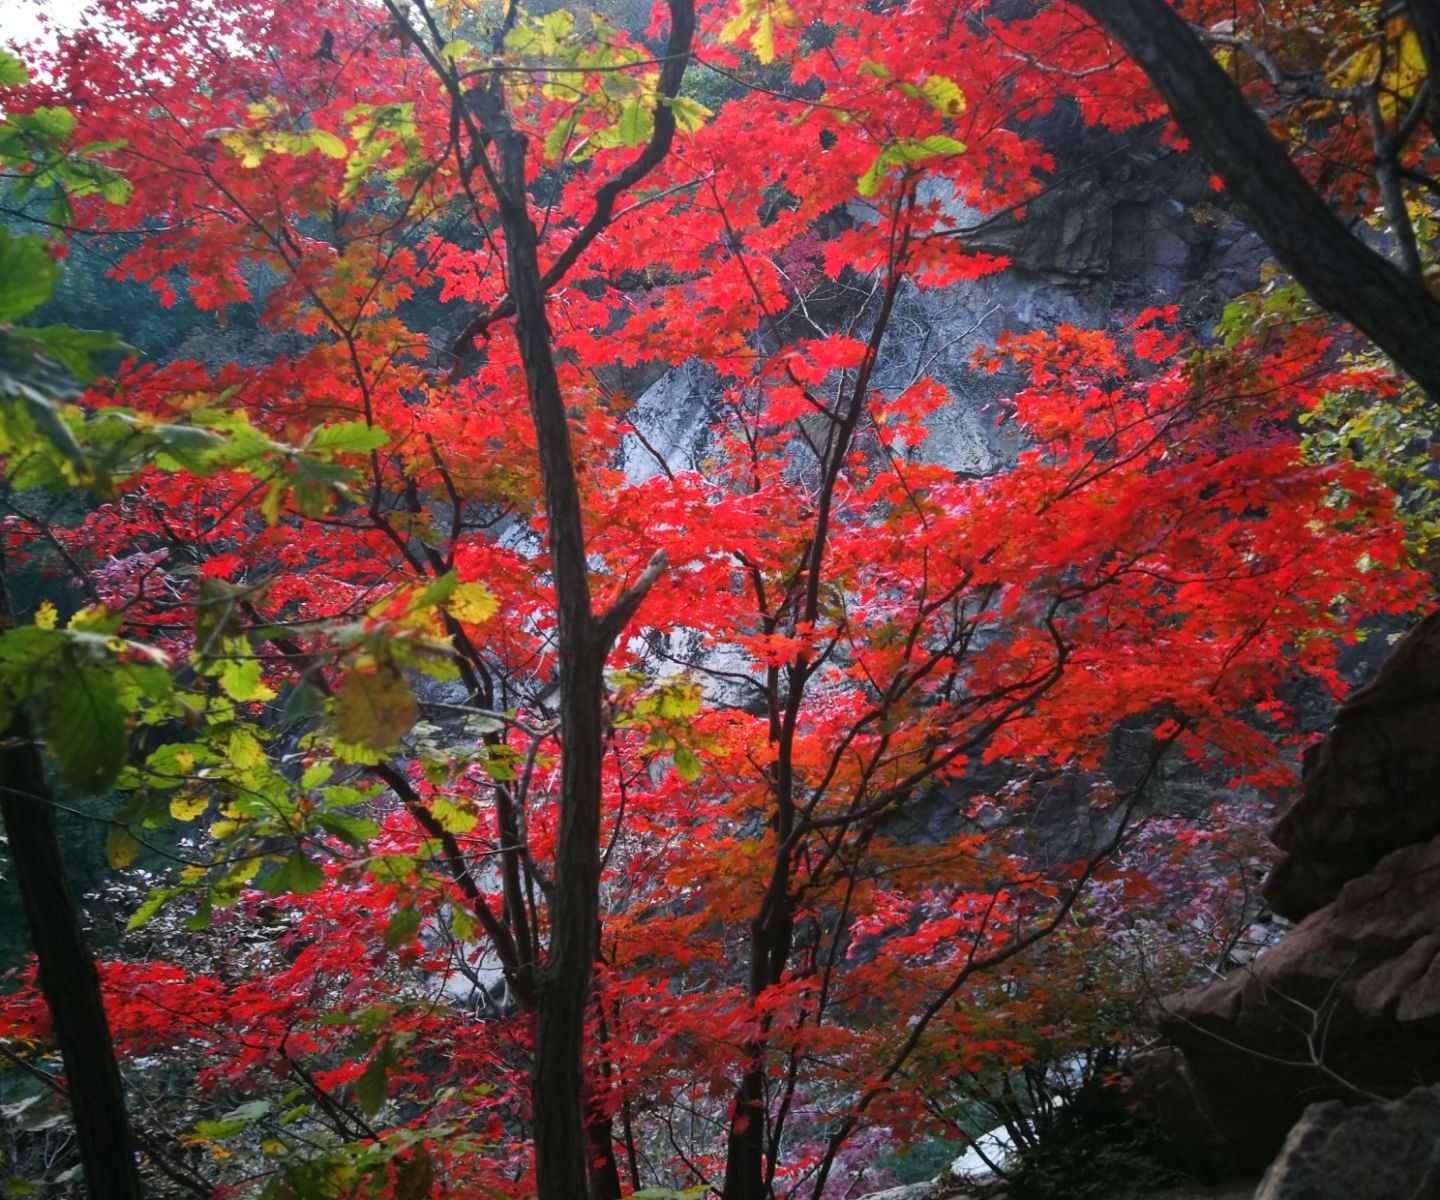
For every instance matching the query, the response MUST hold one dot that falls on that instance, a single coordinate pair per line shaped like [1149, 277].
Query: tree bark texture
[565, 1146]
[68, 978]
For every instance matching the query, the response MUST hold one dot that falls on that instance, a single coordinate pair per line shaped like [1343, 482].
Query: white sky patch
[20, 20]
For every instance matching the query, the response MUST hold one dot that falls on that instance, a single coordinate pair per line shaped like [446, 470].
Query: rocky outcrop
[1372, 785]
[1347, 1004]
[1160, 1085]
[1122, 226]
[1372, 1152]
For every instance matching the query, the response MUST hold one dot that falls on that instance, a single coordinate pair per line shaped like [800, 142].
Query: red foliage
[846, 628]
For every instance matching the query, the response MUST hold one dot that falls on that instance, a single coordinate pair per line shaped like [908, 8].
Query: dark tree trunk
[68, 978]
[604, 1164]
[745, 1147]
[604, 1167]
[1340, 272]
[561, 1139]
[564, 1135]
[747, 1176]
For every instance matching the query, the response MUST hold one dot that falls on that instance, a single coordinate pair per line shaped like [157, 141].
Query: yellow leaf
[245, 749]
[240, 678]
[328, 144]
[222, 829]
[451, 817]
[91, 617]
[1358, 69]
[121, 847]
[374, 706]
[242, 872]
[472, 603]
[46, 616]
[763, 41]
[186, 805]
[764, 15]
[944, 95]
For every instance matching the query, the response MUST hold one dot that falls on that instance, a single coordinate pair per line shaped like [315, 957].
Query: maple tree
[325, 598]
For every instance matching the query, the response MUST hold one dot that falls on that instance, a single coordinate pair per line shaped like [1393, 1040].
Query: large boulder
[1371, 786]
[1386, 1151]
[1347, 1003]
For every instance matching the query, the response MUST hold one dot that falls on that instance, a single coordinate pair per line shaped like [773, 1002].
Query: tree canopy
[503, 801]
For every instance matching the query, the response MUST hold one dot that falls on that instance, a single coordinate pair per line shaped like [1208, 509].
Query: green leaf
[870, 182]
[558, 136]
[216, 1130]
[350, 437]
[85, 728]
[116, 190]
[636, 122]
[558, 25]
[240, 680]
[244, 748]
[47, 419]
[154, 902]
[27, 275]
[676, 702]
[200, 918]
[687, 765]
[472, 603]
[462, 924]
[354, 831]
[315, 775]
[328, 144]
[370, 1087]
[915, 149]
[905, 150]
[401, 928]
[303, 700]
[763, 39]
[416, 1178]
[12, 71]
[298, 875]
[451, 817]
[73, 349]
[187, 447]
[374, 706]
[51, 122]
[24, 652]
[689, 114]
[498, 762]
[435, 593]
